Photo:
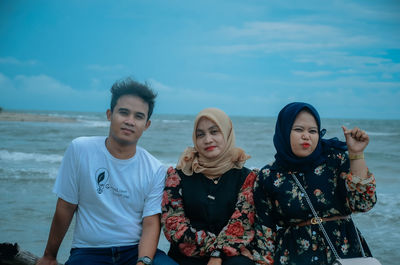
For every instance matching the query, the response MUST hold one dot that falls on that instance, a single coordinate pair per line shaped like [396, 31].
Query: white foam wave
[175, 121]
[30, 174]
[19, 156]
[57, 115]
[382, 134]
[96, 124]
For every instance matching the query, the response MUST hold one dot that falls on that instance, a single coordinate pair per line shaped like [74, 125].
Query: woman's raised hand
[356, 140]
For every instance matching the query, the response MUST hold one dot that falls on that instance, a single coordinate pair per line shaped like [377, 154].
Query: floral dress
[333, 191]
[200, 216]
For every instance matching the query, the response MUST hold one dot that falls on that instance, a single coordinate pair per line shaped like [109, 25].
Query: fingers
[245, 252]
[356, 133]
[345, 130]
[359, 135]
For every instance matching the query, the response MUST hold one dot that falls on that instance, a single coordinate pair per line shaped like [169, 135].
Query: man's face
[128, 120]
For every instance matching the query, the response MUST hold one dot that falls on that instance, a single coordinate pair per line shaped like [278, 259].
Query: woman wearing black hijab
[337, 183]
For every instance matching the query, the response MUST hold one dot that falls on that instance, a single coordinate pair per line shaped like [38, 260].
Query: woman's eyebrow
[213, 127]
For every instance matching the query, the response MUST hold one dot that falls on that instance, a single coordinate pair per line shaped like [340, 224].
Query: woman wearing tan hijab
[208, 208]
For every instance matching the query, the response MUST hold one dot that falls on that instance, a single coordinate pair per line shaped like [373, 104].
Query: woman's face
[209, 139]
[304, 134]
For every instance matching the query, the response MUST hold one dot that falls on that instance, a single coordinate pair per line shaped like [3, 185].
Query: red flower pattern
[236, 229]
[172, 181]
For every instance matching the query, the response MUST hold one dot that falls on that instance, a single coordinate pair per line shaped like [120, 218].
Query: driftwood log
[10, 254]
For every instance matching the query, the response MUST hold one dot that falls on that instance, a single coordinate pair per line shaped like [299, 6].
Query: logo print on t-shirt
[101, 179]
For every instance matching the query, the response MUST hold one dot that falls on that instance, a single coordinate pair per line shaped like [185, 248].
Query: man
[114, 187]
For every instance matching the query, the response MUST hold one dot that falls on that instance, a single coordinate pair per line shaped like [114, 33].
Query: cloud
[105, 68]
[312, 74]
[217, 76]
[14, 61]
[389, 12]
[270, 37]
[280, 31]
[341, 58]
[158, 86]
[351, 64]
[46, 93]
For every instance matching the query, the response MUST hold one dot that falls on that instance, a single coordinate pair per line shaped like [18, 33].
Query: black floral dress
[199, 216]
[333, 191]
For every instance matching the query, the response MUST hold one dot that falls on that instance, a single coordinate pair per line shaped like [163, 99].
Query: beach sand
[20, 116]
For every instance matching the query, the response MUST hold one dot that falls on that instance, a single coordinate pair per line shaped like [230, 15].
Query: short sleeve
[66, 185]
[152, 204]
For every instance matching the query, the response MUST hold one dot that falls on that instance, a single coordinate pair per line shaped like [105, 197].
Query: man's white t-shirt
[113, 195]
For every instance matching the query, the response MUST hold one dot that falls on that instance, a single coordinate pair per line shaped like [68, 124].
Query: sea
[31, 153]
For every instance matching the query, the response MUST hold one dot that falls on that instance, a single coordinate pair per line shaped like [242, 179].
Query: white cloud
[280, 31]
[269, 37]
[351, 64]
[217, 76]
[389, 12]
[312, 74]
[46, 93]
[158, 86]
[105, 68]
[14, 61]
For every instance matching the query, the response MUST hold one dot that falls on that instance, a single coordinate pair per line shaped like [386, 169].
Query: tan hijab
[231, 157]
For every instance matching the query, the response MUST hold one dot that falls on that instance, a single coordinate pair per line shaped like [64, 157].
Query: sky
[249, 58]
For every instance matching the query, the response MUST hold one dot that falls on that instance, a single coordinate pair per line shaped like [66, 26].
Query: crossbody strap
[319, 221]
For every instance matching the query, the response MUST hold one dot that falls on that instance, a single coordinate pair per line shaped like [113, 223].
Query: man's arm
[61, 221]
[150, 236]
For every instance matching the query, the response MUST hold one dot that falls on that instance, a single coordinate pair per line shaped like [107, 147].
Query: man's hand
[245, 252]
[61, 221]
[214, 261]
[150, 236]
[47, 261]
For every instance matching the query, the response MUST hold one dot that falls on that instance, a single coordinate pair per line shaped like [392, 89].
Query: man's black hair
[129, 86]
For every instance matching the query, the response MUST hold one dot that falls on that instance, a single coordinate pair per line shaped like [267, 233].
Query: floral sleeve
[361, 195]
[263, 245]
[239, 231]
[177, 227]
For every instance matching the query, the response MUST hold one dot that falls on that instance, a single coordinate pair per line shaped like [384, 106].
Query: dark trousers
[235, 260]
[125, 255]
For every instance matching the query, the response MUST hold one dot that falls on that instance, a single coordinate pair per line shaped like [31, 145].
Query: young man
[114, 187]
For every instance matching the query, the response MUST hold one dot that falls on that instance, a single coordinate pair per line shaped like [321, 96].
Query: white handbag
[364, 260]
[357, 261]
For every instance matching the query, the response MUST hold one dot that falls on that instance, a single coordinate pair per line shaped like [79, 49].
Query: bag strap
[319, 221]
[358, 238]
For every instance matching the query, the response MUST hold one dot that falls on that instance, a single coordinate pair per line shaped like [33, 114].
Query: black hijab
[284, 155]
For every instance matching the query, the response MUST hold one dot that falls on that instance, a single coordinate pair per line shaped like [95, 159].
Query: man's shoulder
[147, 158]
[146, 155]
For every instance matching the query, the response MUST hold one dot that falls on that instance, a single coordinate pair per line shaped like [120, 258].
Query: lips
[127, 130]
[210, 148]
[306, 145]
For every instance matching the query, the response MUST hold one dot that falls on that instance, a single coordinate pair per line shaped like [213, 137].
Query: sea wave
[30, 174]
[20, 156]
[92, 123]
[383, 133]
[175, 121]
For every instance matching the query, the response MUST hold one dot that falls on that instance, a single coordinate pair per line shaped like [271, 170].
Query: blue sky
[246, 57]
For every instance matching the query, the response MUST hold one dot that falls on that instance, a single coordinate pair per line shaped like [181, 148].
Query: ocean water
[31, 152]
